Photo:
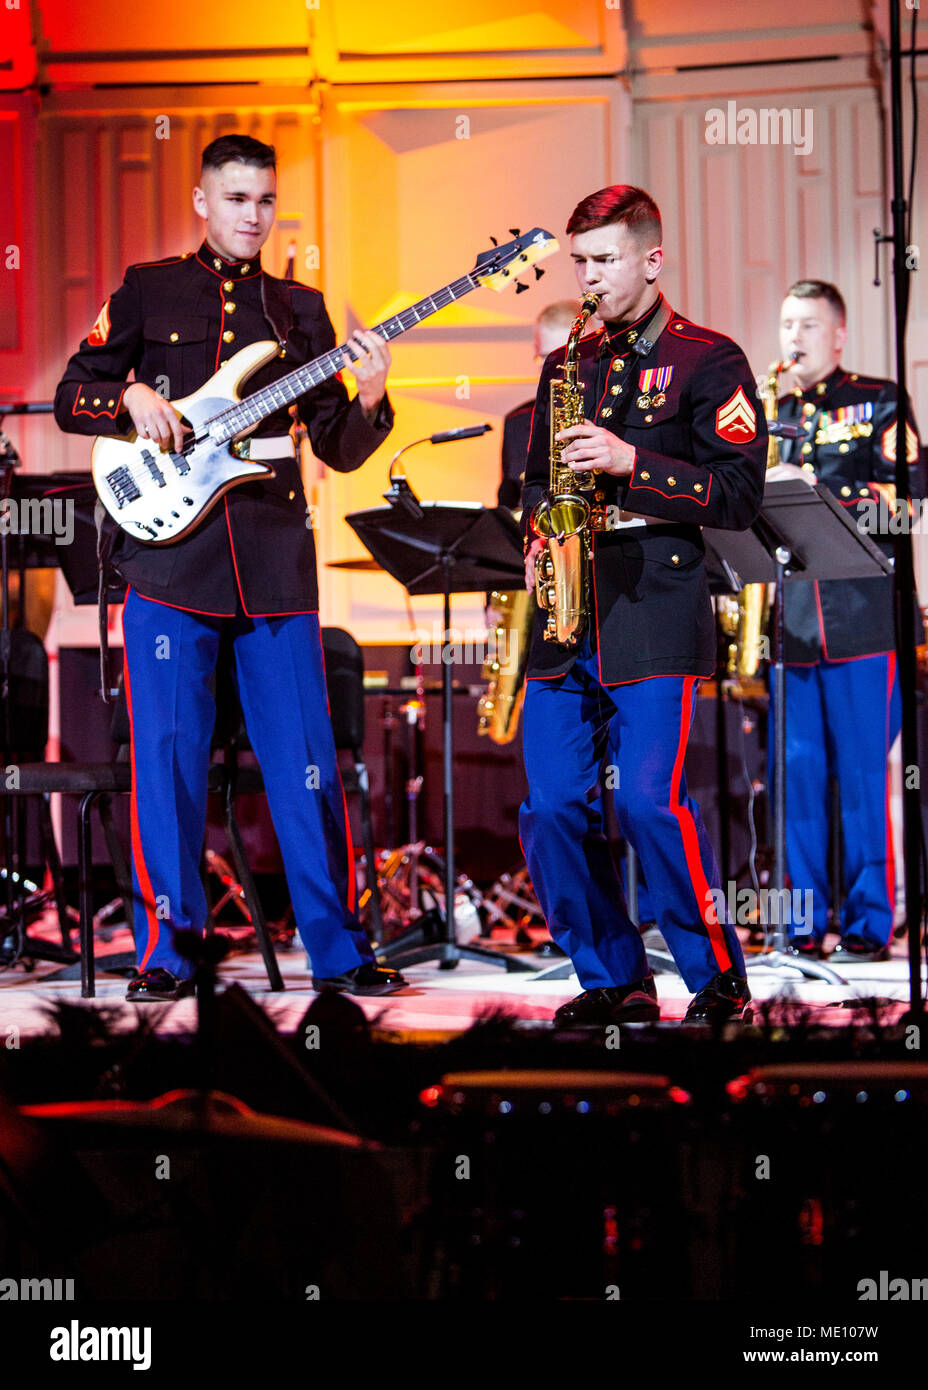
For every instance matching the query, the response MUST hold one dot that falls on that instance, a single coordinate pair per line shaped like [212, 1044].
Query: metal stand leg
[777, 958]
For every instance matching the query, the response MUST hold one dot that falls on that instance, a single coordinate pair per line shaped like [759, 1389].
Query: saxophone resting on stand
[743, 617]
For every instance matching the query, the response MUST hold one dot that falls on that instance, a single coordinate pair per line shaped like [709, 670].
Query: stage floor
[437, 1003]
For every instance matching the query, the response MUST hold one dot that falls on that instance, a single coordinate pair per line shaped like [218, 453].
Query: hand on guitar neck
[153, 417]
[370, 368]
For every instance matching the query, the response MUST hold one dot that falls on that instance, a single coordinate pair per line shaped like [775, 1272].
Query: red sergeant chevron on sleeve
[736, 420]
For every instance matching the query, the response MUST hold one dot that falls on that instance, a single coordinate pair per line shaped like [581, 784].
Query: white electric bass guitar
[158, 495]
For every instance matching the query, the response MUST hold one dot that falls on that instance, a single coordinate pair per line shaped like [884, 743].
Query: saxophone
[500, 706]
[744, 617]
[562, 518]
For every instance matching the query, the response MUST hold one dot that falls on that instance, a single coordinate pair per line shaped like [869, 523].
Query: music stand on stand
[431, 548]
[801, 534]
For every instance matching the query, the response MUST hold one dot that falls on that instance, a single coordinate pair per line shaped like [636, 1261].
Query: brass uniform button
[808, 408]
[862, 492]
[645, 477]
[186, 255]
[223, 362]
[82, 401]
[853, 376]
[291, 495]
[618, 364]
[111, 402]
[697, 487]
[228, 285]
[671, 481]
[282, 353]
[229, 306]
[97, 401]
[648, 419]
[217, 263]
[807, 425]
[678, 325]
[606, 413]
[820, 389]
[675, 559]
[174, 337]
[807, 448]
[807, 468]
[246, 267]
[843, 448]
[845, 492]
[228, 336]
[616, 390]
[797, 391]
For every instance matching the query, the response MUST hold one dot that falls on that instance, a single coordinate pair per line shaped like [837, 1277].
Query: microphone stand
[904, 590]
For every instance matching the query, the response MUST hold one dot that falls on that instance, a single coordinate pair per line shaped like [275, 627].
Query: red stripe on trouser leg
[138, 857]
[349, 846]
[691, 840]
[890, 854]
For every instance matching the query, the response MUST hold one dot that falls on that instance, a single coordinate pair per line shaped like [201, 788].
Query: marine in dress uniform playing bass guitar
[843, 708]
[673, 433]
[247, 571]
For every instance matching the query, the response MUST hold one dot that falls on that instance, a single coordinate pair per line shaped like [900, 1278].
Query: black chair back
[27, 708]
[344, 678]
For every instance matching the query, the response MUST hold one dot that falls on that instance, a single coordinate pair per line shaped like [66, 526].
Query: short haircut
[620, 202]
[560, 314]
[239, 149]
[819, 289]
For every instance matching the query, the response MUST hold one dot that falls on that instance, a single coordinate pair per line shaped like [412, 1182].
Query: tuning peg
[494, 241]
[538, 272]
[520, 287]
[514, 231]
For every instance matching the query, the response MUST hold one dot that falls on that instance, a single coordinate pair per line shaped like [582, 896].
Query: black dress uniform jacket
[172, 323]
[517, 427]
[701, 445]
[849, 442]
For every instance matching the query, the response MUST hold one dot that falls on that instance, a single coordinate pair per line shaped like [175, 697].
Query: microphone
[400, 494]
[465, 432]
[780, 430]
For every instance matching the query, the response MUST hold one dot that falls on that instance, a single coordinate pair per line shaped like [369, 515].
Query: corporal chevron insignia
[101, 329]
[736, 420]
[888, 443]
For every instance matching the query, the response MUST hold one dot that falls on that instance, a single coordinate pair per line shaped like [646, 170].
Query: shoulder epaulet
[292, 284]
[166, 260]
[695, 332]
[863, 382]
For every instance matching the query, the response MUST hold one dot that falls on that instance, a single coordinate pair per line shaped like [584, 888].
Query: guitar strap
[105, 538]
[275, 301]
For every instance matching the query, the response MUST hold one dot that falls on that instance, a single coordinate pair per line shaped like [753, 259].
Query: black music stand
[802, 533]
[454, 547]
[40, 549]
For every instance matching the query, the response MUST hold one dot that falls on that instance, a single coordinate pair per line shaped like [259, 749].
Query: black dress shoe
[369, 978]
[726, 997]
[158, 987]
[805, 946]
[634, 1003]
[854, 950]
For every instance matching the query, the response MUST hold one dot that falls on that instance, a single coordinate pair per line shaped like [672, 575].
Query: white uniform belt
[271, 446]
[617, 519]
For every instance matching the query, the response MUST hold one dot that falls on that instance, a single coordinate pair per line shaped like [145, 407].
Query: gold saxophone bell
[743, 618]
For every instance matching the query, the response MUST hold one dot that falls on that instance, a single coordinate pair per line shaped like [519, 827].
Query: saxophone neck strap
[645, 344]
